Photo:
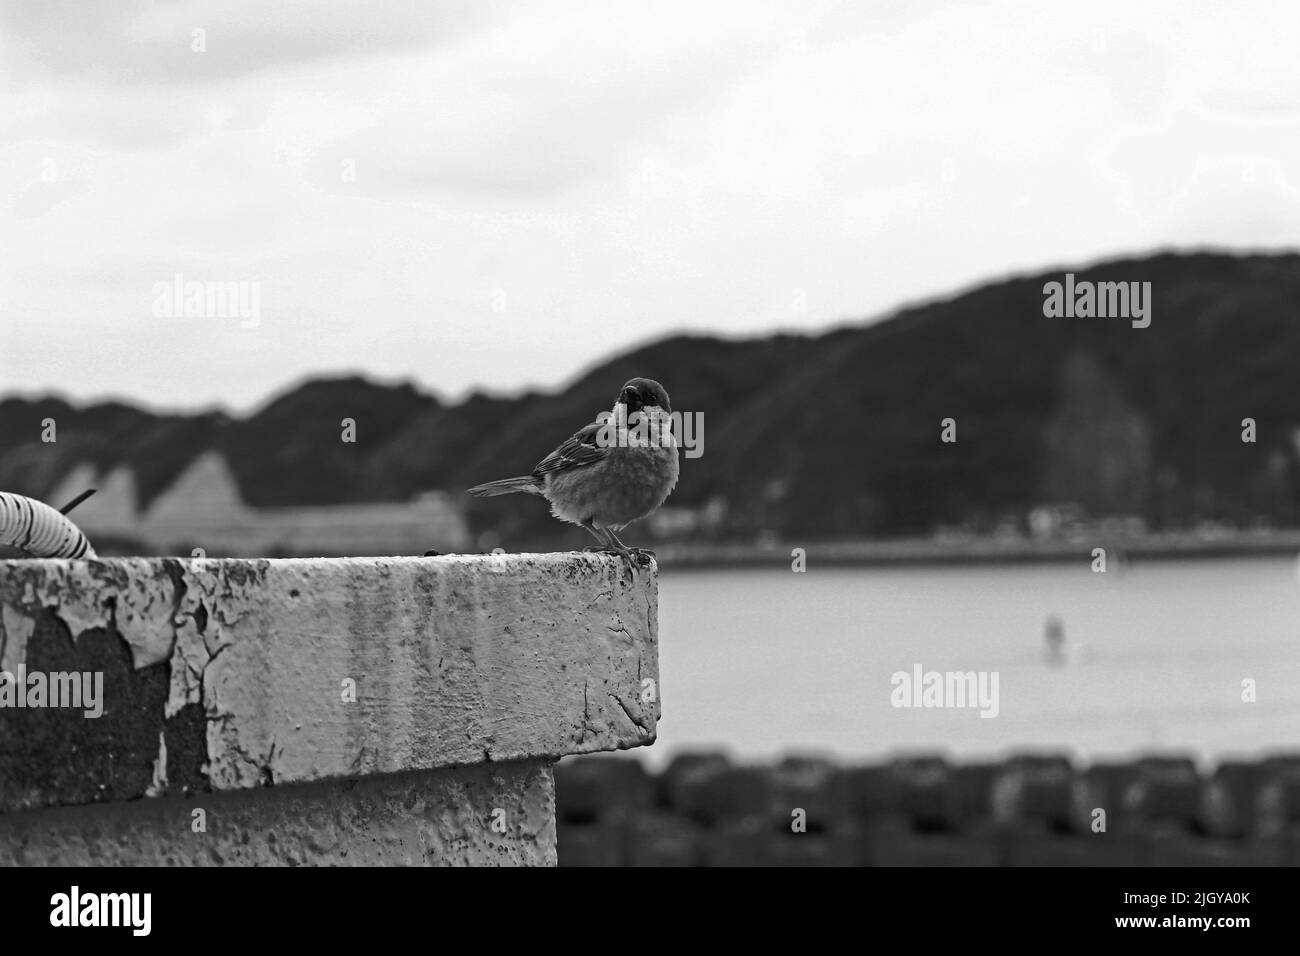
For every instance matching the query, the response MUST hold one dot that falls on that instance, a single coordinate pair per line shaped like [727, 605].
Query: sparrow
[614, 471]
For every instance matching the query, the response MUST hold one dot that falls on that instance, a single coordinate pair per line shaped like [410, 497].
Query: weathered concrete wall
[485, 815]
[231, 675]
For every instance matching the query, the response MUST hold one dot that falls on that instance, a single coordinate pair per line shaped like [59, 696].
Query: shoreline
[904, 552]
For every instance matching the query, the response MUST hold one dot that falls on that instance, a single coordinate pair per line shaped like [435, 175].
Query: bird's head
[641, 393]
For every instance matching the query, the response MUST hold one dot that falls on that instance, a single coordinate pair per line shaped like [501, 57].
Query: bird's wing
[575, 452]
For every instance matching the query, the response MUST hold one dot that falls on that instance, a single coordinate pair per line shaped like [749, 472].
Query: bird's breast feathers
[628, 483]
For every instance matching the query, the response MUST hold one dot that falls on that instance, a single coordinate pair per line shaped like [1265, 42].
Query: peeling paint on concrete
[455, 660]
[129, 594]
[15, 630]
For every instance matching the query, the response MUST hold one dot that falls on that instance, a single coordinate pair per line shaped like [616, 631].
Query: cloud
[541, 103]
[139, 41]
[503, 198]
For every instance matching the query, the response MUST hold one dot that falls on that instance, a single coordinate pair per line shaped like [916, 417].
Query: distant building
[115, 503]
[672, 521]
[203, 508]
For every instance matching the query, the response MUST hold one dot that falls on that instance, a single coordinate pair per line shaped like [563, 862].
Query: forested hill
[829, 435]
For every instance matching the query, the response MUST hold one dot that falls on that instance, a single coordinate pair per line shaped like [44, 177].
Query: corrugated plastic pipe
[38, 529]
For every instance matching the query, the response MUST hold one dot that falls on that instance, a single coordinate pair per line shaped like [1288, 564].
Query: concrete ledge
[489, 815]
[231, 674]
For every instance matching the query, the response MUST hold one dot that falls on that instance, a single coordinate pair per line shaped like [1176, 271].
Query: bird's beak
[631, 398]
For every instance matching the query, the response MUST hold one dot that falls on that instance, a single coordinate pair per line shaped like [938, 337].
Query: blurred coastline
[1218, 542]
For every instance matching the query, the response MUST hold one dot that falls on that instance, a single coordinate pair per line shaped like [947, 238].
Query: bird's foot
[633, 556]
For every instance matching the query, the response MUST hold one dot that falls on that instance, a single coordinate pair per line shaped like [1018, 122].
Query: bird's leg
[604, 542]
[607, 546]
[611, 545]
[621, 547]
[633, 556]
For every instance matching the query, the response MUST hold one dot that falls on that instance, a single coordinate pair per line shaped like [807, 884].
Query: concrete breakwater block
[136, 677]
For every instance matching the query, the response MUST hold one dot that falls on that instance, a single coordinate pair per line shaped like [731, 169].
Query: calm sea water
[765, 662]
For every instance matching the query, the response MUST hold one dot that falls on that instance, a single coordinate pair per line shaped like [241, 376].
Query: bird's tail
[526, 484]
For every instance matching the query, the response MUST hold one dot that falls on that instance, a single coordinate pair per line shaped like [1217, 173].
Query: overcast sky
[499, 195]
